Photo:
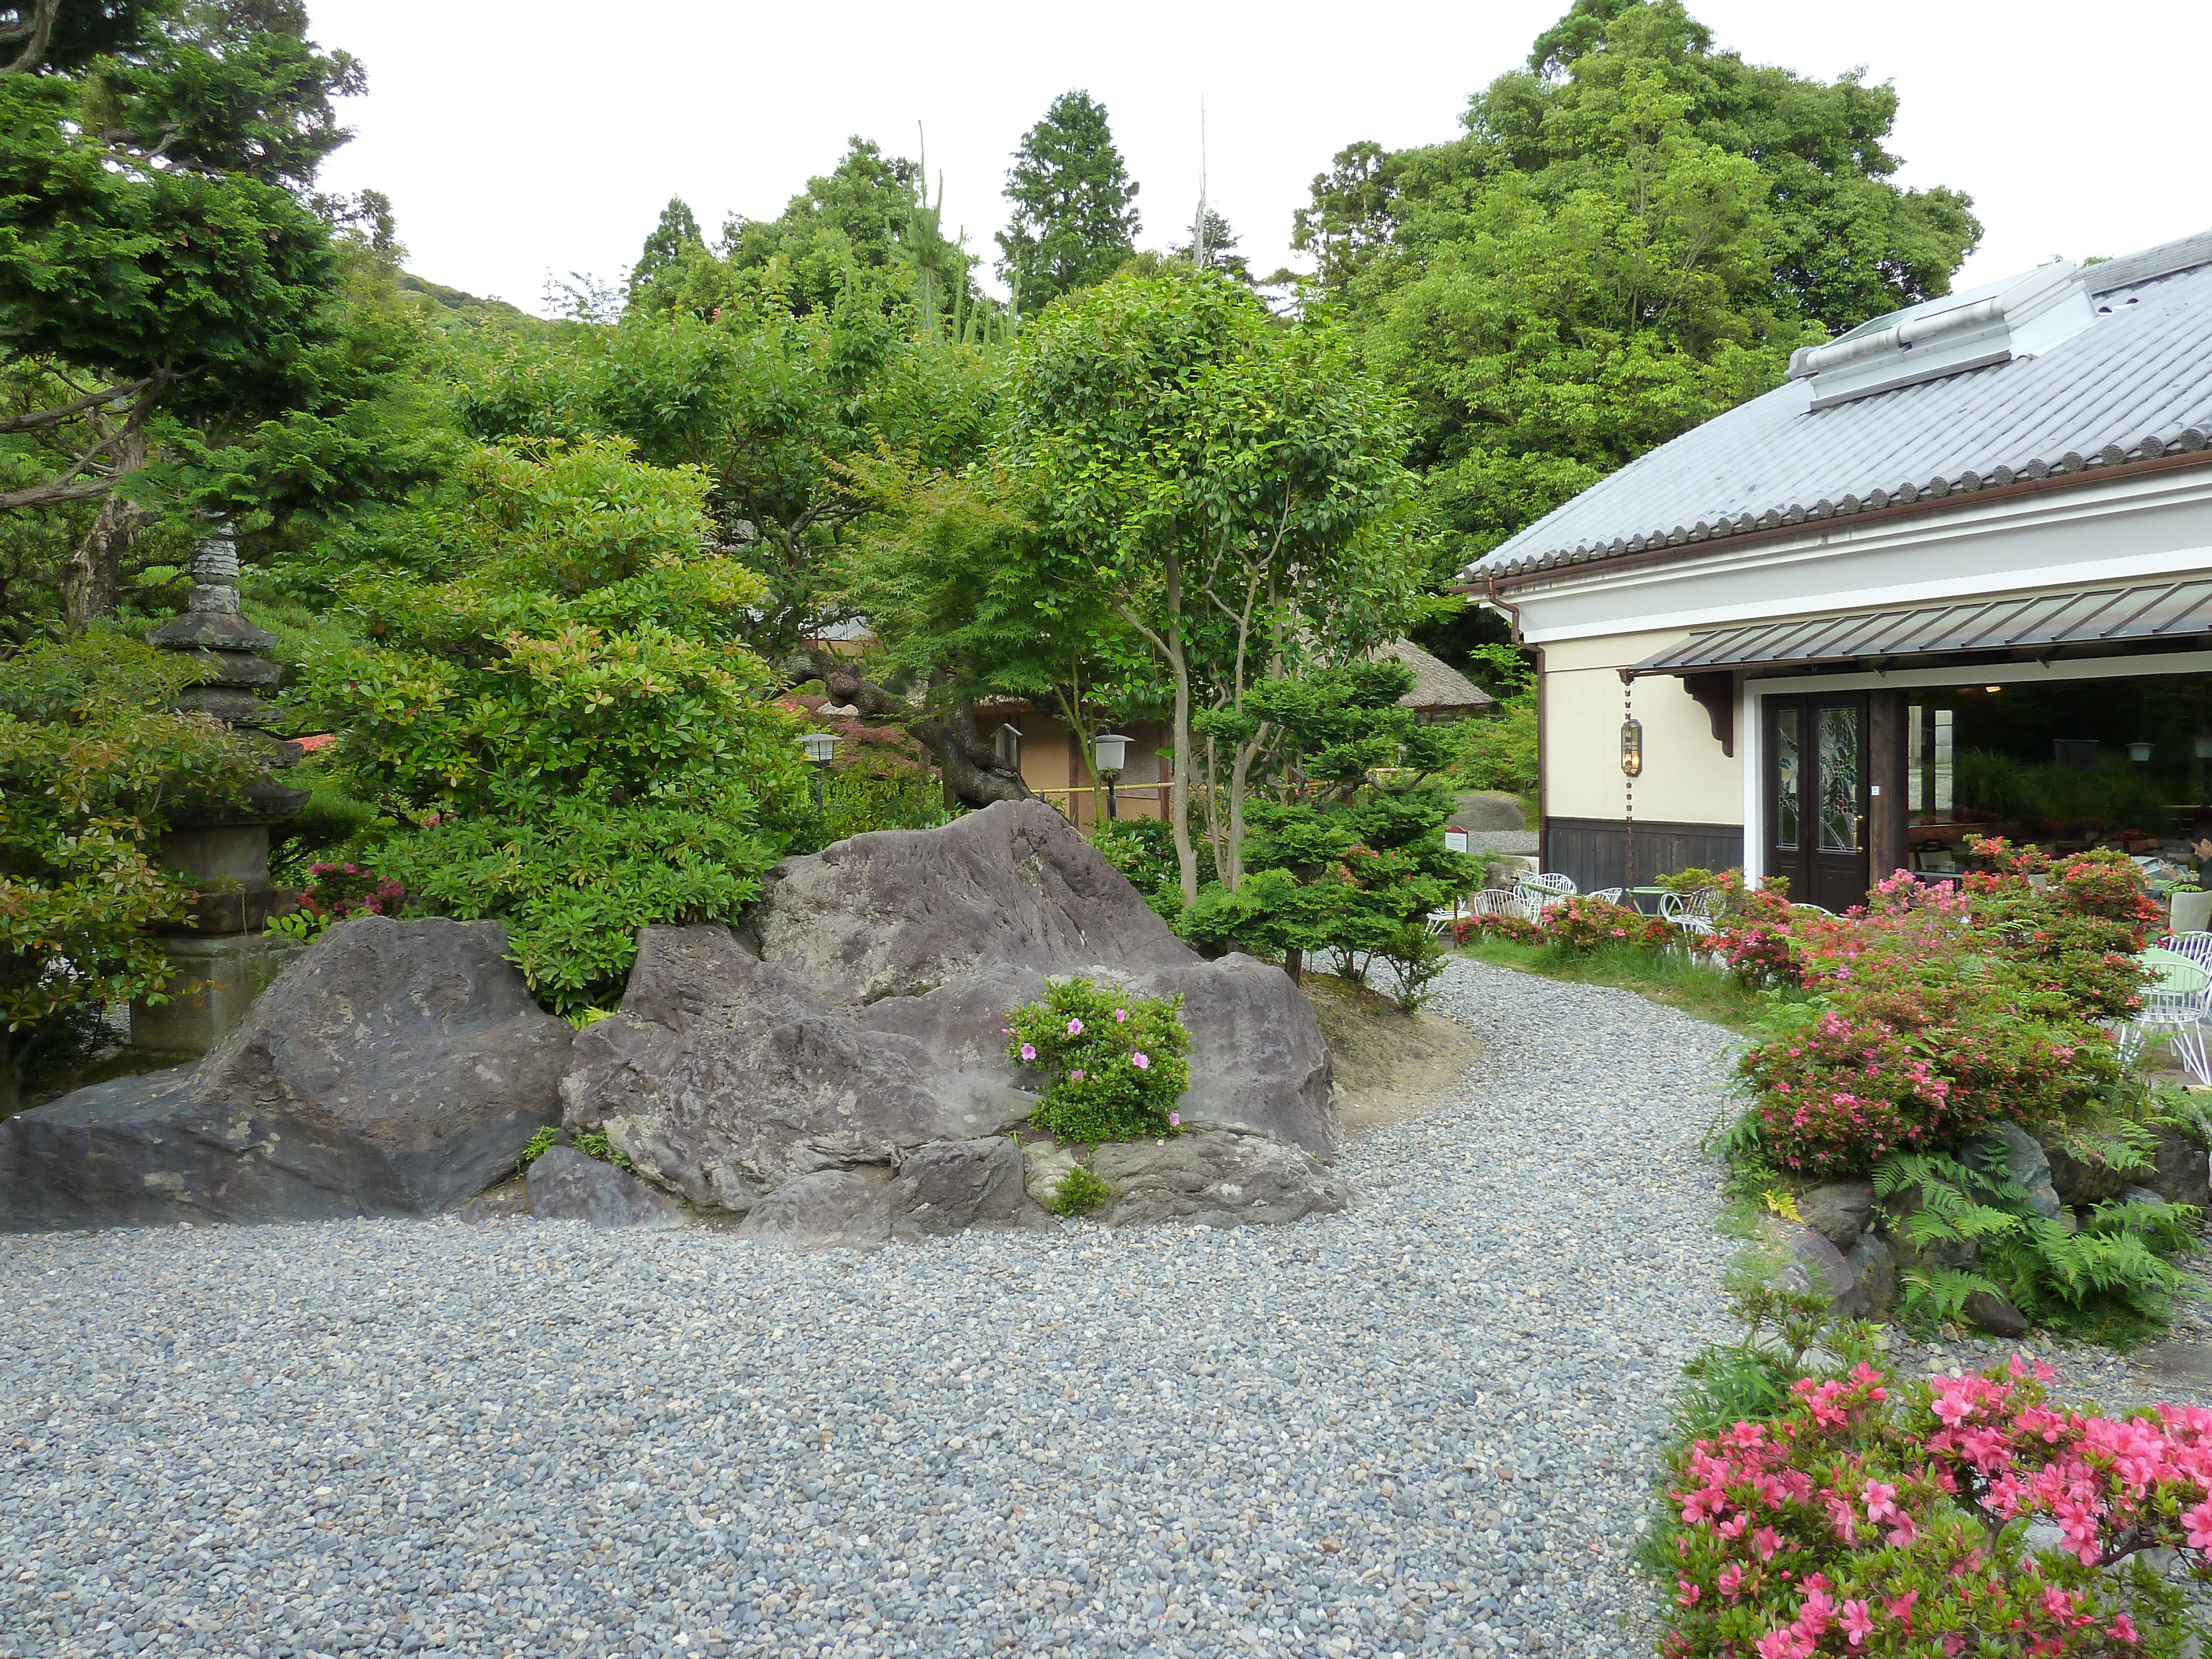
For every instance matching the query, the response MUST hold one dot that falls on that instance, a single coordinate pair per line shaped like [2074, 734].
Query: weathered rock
[1488, 809]
[2179, 1170]
[395, 1068]
[1995, 1314]
[1045, 1164]
[950, 1186]
[814, 1210]
[1873, 1294]
[1214, 1176]
[568, 1185]
[2024, 1161]
[723, 1079]
[2081, 1180]
[1838, 1210]
[858, 1016]
[1816, 1268]
[505, 1202]
[2139, 1195]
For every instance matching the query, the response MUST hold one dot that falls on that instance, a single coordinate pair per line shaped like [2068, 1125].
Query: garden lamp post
[821, 747]
[1108, 752]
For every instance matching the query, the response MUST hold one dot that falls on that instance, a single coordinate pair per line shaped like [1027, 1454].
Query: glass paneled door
[1816, 798]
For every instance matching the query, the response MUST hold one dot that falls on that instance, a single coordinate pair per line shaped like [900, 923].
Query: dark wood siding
[1595, 851]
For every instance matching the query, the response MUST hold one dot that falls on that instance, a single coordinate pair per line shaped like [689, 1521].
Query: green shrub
[1114, 1065]
[864, 797]
[569, 732]
[1417, 958]
[1079, 1193]
[333, 893]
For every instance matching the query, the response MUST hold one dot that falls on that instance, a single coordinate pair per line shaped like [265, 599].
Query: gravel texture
[1427, 1424]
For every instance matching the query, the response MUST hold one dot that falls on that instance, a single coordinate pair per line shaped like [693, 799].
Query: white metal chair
[1697, 912]
[1497, 902]
[2176, 1005]
[1539, 893]
[1609, 895]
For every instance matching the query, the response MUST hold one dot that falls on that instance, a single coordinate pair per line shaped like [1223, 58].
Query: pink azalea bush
[1880, 1519]
[1936, 1010]
[1583, 923]
[1114, 1065]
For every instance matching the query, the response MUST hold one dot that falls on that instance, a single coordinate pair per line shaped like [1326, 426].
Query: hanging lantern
[2138, 752]
[1631, 747]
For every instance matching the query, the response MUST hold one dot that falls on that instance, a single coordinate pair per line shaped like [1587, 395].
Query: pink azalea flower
[1077, 1074]
[2124, 1627]
[1029, 1051]
[1141, 1060]
[1857, 1622]
[1766, 1540]
[1686, 1594]
[1121, 1016]
[1175, 1118]
[1075, 1028]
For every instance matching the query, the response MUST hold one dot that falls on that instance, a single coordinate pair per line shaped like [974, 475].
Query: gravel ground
[1424, 1425]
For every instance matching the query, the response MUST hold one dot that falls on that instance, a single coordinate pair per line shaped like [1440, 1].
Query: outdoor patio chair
[1539, 893]
[1611, 895]
[2197, 947]
[1695, 913]
[1496, 902]
[2175, 1008]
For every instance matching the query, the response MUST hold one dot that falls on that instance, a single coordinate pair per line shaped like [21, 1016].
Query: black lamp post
[1108, 752]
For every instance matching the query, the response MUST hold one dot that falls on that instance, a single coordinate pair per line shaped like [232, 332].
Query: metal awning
[2145, 612]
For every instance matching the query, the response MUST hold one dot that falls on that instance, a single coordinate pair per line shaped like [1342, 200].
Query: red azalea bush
[1937, 1010]
[1869, 1521]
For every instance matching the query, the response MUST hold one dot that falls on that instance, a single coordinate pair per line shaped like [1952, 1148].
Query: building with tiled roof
[1954, 575]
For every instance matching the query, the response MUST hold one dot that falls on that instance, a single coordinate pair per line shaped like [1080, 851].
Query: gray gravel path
[1424, 1425]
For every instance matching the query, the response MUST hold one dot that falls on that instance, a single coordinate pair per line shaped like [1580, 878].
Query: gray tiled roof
[2136, 383]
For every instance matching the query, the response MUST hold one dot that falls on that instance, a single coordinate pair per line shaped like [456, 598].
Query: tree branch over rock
[971, 763]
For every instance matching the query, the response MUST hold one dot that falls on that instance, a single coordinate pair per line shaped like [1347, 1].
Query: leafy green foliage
[591, 1143]
[1620, 246]
[2113, 1263]
[1352, 850]
[1074, 217]
[1079, 1193]
[1498, 752]
[1114, 1065]
[93, 769]
[568, 726]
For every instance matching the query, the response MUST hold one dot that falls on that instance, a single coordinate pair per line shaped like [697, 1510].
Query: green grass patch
[1665, 976]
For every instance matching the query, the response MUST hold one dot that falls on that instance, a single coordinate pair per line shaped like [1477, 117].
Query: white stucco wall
[1687, 779]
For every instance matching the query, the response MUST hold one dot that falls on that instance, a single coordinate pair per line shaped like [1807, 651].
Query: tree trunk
[1294, 963]
[94, 574]
[974, 774]
[1178, 662]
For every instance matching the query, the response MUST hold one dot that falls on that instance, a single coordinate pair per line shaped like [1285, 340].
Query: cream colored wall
[1685, 779]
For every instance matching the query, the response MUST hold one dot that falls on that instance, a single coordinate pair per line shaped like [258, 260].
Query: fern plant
[2111, 1268]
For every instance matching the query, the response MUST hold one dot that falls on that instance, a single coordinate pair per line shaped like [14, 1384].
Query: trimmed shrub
[1114, 1065]
[1584, 923]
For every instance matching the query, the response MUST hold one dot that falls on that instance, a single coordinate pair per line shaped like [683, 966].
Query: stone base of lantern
[218, 977]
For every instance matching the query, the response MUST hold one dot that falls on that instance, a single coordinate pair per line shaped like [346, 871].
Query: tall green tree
[1074, 217]
[164, 259]
[1233, 489]
[1628, 238]
[676, 235]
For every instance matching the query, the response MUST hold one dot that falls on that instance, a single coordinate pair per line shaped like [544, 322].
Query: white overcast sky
[523, 138]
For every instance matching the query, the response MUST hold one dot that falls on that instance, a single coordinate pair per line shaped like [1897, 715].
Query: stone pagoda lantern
[222, 956]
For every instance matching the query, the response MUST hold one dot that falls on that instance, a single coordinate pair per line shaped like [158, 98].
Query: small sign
[1455, 840]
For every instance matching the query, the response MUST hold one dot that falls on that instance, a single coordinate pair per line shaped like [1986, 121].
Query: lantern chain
[1628, 781]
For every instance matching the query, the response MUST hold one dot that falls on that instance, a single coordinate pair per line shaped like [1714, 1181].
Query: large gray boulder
[858, 1017]
[2179, 1173]
[2021, 1156]
[395, 1068]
